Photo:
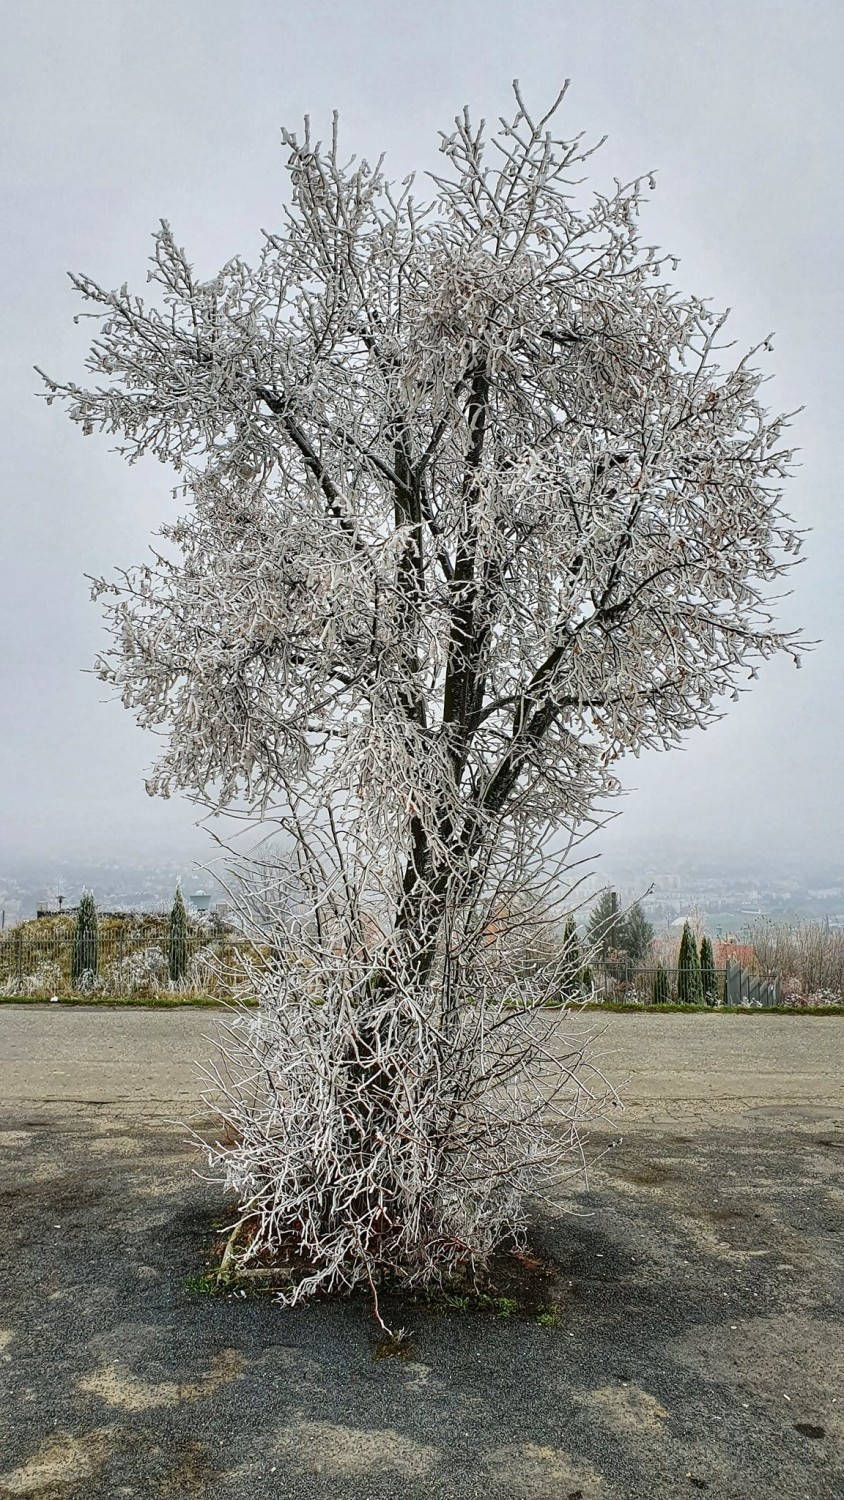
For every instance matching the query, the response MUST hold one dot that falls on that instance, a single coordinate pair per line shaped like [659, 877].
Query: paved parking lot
[136, 1058]
[699, 1344]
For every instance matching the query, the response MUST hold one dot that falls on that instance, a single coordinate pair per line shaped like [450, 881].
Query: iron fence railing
[127, 959]
[669, 984]
[137, 958]
[664, 984]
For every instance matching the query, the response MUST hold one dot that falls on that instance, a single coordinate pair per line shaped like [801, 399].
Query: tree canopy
[612, 931]
[474, 506]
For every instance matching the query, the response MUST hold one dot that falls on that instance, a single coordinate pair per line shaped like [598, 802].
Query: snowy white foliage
[364, 1133]
[476, 504]
[44, 980]
[143, 971]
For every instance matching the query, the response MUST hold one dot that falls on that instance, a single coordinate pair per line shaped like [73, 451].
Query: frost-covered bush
[634, 993]
[218, 968]
[41, 983]
[432, 1137]
[142, 972]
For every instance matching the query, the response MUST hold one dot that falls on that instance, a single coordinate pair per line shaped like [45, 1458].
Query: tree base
[516, 1282]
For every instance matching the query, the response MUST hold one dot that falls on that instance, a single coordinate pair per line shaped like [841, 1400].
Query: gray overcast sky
[114, 113]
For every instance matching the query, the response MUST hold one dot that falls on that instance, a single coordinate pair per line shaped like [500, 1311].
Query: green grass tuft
[204, 1284]
[552, 1317]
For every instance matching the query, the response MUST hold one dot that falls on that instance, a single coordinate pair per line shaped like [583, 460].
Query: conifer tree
[178, 942]
[571, 968]
[604, 928]
[688, 970]
[635, 934]
[708, 976]
[85, 944]
[660, 988]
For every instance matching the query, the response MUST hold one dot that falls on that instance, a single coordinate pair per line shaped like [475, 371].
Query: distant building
[200, 901]
[734, 953]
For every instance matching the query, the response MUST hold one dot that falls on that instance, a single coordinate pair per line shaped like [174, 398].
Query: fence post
[732, 982]
[19, 955]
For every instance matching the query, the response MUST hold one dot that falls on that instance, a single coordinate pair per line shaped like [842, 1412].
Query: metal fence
[670, 985]
[653, 986]
[135, 958]
[743, 988]
[123, 960]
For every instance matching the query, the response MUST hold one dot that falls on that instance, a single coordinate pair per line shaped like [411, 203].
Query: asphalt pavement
[699, 1287]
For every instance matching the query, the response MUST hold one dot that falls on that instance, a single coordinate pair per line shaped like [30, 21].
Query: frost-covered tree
[177, 938]
[85, 958]
[475, 504]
